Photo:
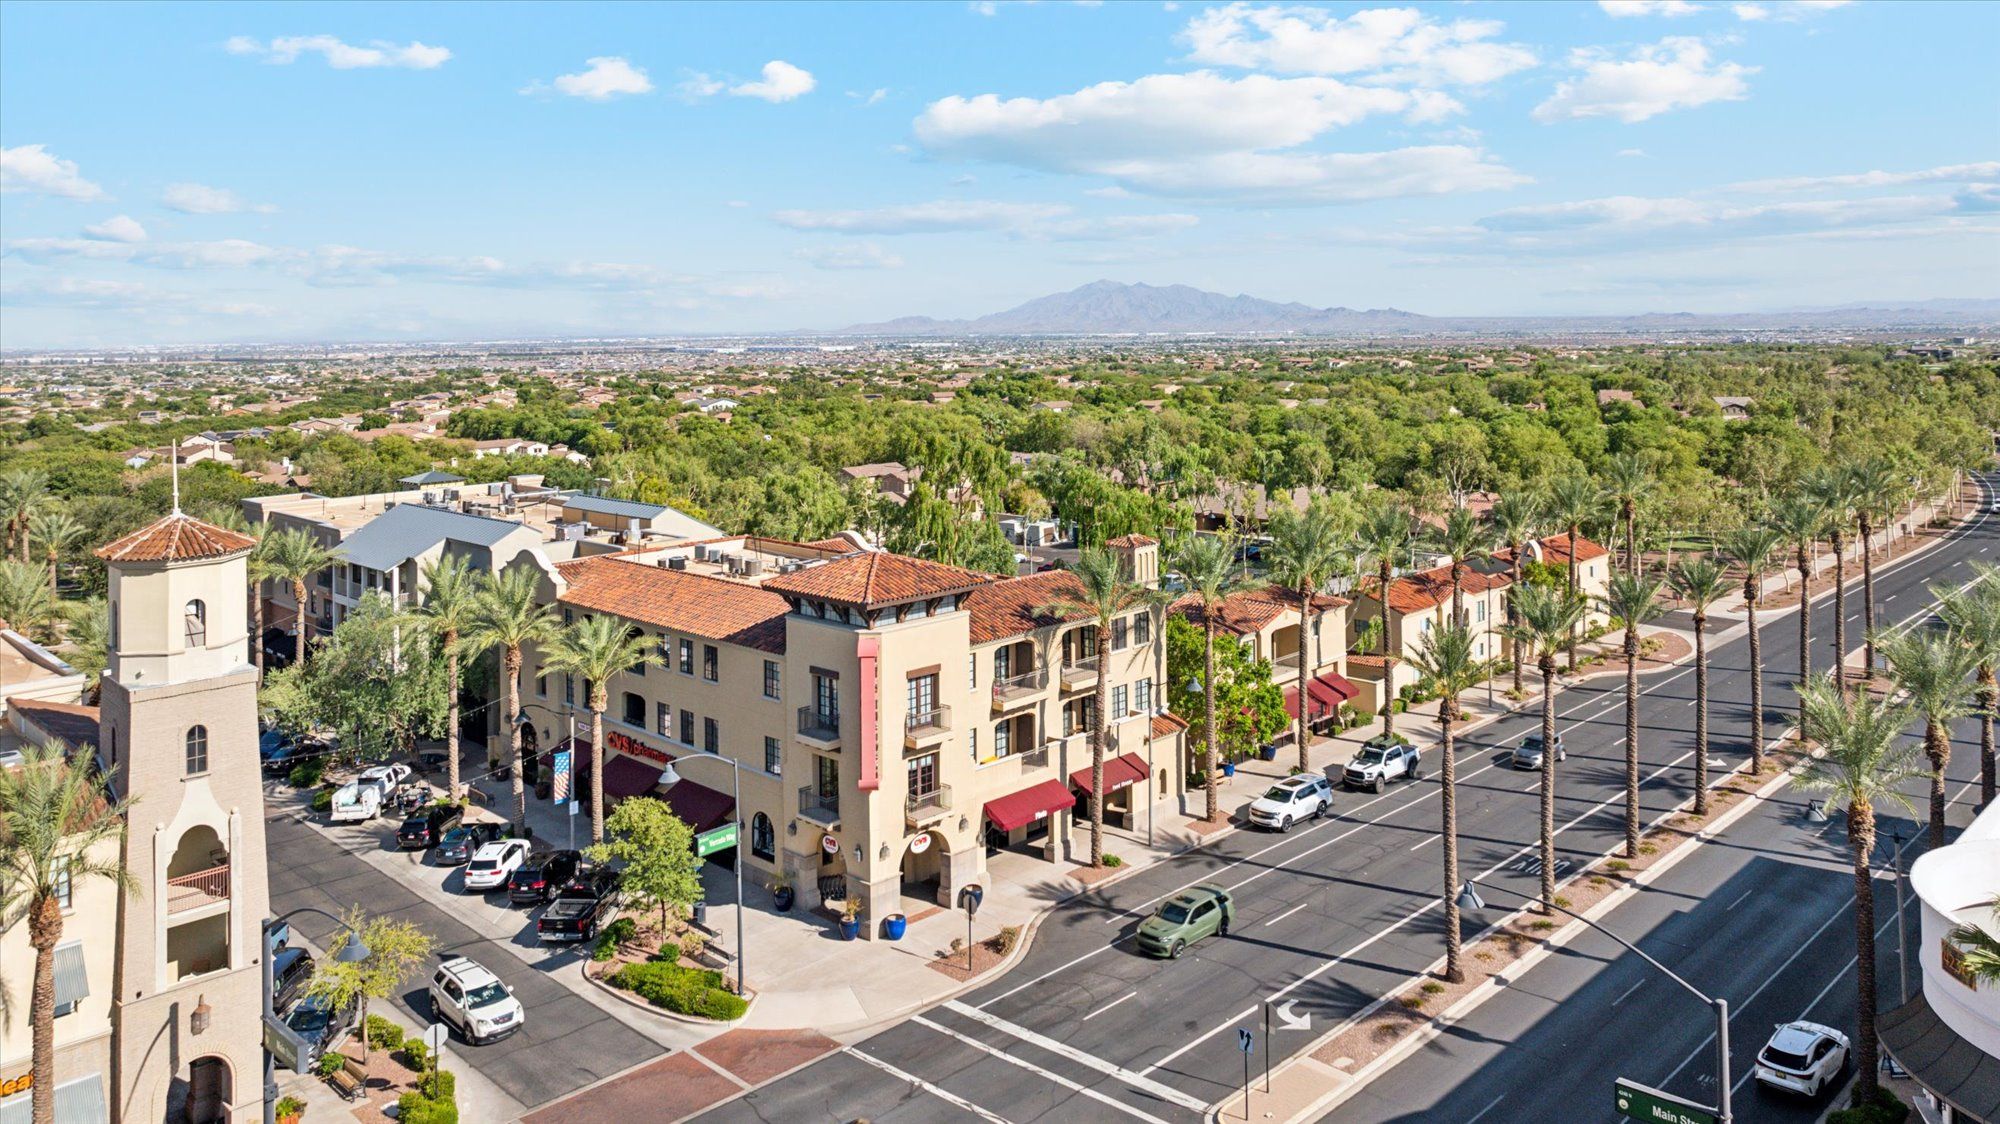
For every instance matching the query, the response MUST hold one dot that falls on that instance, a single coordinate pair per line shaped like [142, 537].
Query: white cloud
[33, 168]
[781, 82]
[602, 78]
[1390, 45]
[1111, 192]
[118, 228]
[200, 199]
[1950, 173]
[1633, 153]
[850, 255]
[342, 56]
[1676, 73]
[1625, 9]
[697, 85]
[1625, 222]
[1050, 222]
[1205, 136]
[1788, 10]
[873, 97]
[122, 297]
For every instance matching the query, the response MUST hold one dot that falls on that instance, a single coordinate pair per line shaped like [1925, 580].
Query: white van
[356, 802]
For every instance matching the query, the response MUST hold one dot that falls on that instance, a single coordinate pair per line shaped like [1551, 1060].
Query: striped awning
[72, 978]
[77, 1102]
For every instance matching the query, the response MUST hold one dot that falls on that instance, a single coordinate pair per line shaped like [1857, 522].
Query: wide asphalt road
[1329, 918]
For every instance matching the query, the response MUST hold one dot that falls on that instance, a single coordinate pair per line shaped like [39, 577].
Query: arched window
[197, 750]
[763, 841]
[197, 624]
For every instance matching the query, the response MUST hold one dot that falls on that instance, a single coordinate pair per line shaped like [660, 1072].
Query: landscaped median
[662, 971]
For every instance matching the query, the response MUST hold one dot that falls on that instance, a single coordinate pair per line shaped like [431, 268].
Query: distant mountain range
[1111, 308]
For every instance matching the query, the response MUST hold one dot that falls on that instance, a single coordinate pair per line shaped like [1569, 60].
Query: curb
[630, 1000]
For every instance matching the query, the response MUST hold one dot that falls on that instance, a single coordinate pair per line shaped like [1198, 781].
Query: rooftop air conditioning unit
[734, 562]
[700, 553]
[677, 562]
[790, 567]
[753, 566]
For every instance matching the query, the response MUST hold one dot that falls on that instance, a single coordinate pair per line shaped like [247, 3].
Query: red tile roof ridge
[175, 537]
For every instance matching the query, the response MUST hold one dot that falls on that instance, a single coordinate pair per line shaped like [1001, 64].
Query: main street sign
[1643, 1103]
[718, 839]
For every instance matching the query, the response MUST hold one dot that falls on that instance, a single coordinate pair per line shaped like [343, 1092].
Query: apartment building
[894, 720]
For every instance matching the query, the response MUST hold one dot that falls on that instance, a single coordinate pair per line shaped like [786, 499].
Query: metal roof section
[407, 530]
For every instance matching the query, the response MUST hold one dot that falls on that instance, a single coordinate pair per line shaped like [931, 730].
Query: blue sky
[365, 171]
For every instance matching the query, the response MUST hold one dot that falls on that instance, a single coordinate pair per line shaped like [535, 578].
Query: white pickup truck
[1383, 758]
[356, 801]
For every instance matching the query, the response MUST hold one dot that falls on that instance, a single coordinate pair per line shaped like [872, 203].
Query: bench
[350, 1080]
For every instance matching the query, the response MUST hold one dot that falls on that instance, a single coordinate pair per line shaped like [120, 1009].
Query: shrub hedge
[687, 991]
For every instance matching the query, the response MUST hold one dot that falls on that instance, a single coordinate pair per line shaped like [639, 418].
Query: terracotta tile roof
[175, 538]
[1427, 589]
[695, 604]
[1252, 610]
[1126, 541]
[1008, 607]
[1167, 725]
[1555, 551]
[72, 723]
[876, 577]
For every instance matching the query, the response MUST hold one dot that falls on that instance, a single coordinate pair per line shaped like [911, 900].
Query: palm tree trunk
[1305, 695]
[44, 930]
[1867, 597]
[1839, 616]
[1513, 587]
[451, 733]
[1548, 664]
[1756, 677]
[300, 624]
[510, 670]
[1631, 540]
[52, 576]
[1388, 671]
[1631, 743]
[599, 700]
[1208, 762]
[1574, 531]
[1861, 837]
[1100, 733]
[257, 627]
[1937, 743]
[1989, 699]
[1805, 636]
[1448, 804]
[1701, 714]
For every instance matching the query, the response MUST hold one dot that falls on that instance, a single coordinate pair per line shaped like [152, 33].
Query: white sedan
[494, 863]
[1802, 1057]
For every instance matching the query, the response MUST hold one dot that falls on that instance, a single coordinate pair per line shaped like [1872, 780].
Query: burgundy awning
[1019, 809]
[1327, 692]
[698, 806]
[1123, 771]
[629, 776]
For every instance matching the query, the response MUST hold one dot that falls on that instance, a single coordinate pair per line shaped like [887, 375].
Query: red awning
[1019, 809]
[628, 776]
[1123, 771]
[1327, 692]
[698, 806]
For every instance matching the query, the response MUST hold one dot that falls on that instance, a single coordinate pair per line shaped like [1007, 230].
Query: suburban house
[1266, 622]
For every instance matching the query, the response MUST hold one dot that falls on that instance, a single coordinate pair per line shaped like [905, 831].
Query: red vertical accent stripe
[867, 648]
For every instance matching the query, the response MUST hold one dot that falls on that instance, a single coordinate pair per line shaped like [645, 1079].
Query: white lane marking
[1062, 1049]
[1627, 993]
[1737, 902]
[1533, 785]
[1039, 1071]
[945, 1095]
[1428, 839]
[1487, 1109]
[1108, 1006]
[1287, 913]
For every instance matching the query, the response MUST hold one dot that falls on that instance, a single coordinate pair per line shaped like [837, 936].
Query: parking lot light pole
[670, 777]
[1468, 899]
[351, 951]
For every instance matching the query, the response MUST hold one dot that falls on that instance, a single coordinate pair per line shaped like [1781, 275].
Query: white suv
[472, 999]
[1291, 800]
[494, 863]
[1802, 1057]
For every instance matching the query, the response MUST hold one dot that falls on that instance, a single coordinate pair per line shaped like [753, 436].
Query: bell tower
[178, 731]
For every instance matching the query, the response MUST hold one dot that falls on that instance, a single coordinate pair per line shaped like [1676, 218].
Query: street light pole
[351, 951]
[669, 776]
[1902, 931]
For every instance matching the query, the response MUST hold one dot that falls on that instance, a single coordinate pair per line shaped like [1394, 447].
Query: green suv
[1196, 912]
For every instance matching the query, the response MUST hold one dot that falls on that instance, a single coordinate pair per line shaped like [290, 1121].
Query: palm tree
[294, 555]
[1517, 517]
[1102, 594]
[1934, 669]
[1545, 620]
[1632, 600]
[1862, 762]
[1754, 547]
[1700, 583]
[89, 630]
[1835, 491]
[1464, 540]
[1575, 501]
[1302, 557]
[1207, 564]
[1627, 480]
[24, 493]
[1878, 488]
[595, 649]
[1383, 541]
[25, 603]
[1799, 517]
[1974, 614]
[508, 614]
[57, 824]
[57, 531]
[451, 590]
[1444, 656]
[1981, 948]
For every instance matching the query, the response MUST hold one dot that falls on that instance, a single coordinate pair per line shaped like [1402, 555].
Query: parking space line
[1038, 1071]
[1092, 1061]
[1287, 913]
[1108, 1006]
[945, 1095]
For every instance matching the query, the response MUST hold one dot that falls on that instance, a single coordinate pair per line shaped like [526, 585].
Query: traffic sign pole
[1267, 1045]
[1243, 1043]
[1722, 1055]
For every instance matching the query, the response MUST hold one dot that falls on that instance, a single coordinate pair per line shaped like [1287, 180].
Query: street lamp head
[352, 950]
[668, 776]
[1468, 897]
[521, 719]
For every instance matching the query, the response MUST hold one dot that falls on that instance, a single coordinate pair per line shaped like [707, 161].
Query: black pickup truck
[580, 907]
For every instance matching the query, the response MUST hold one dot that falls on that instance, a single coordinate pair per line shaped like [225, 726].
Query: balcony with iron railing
[201, 888]
[1017, 689]
[820, 807]
[1079, 674]
[920, 808]
[926, 727]
[820, 728]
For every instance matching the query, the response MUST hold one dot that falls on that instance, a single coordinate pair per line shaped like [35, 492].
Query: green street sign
[716, 839]
[1642, 1103]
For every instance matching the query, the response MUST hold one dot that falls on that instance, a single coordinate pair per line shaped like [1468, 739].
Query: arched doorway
[210, 1090]
[926, 863]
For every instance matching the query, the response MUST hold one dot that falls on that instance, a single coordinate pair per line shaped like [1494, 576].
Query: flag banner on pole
[559, 788]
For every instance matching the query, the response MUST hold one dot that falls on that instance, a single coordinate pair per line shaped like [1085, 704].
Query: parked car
[493, 864]
[472, 999]
[426, 826]
[1202, 910]
[1528, 754]
[1383, 758]
[456, 846]
[277, 752]
[579, 907]
[291, 971]
[352, 802]
[538, 878]
[1802, 1057]
[319, 1025]
[1306, 796]
[383, 778]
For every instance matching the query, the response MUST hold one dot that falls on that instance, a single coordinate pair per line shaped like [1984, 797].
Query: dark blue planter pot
[1268, 753]
[849, 930]
[894, 926]
[1229, 768]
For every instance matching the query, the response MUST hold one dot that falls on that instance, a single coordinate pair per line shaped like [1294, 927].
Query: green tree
[1517, 518]
[294, 555]
[1799, 517]
[397, 951]
[1979, 947]
[1835, 491]
[1973, 613]
[1632, 600]
[25, 602]
[1628, 480]
[57, 824]
[1755, 547]
[595, 649]
[661, 870]
[1574, 503]
[57, 532]
[1444, 656]
[379, 680]
[89, 652]
[1384, 542]
[1207, 566]
[1700, 582]
[1934, 669]
[24, 496]
[1304, 554]
[1544, 621]
[508, 615]
[451, 590]
[1878, 488]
